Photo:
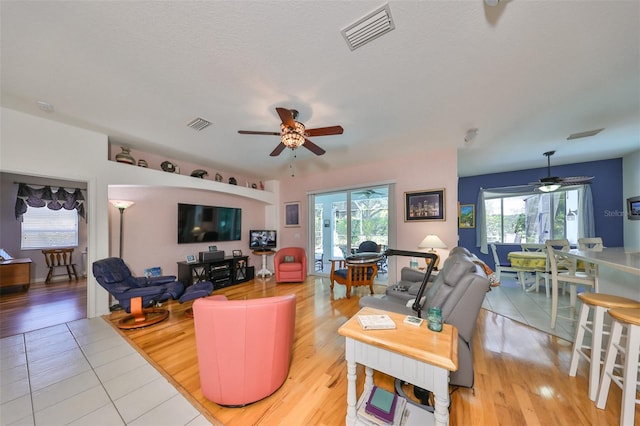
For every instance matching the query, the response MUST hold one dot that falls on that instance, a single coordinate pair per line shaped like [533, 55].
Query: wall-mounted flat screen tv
[263, 239]
[633, 208]
[200, 224]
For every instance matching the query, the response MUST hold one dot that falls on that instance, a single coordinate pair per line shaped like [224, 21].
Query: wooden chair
[353, 275]
[60, 258]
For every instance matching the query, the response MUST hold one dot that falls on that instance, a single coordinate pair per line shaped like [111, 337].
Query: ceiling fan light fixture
[292, 137]
[549, 187]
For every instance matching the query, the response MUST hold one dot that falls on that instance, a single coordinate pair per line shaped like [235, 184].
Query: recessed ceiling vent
[584, 134]
[199, 123]
[370, 27]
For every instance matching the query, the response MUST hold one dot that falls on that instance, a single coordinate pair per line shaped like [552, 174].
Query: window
[532, 218]
[45, 228]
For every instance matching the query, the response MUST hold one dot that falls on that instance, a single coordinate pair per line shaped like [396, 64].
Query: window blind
[45, 228]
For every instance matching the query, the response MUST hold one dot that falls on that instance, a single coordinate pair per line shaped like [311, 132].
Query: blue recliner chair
[137, 295]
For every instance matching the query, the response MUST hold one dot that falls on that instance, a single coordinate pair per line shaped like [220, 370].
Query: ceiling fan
[293, 134]
[553, 183]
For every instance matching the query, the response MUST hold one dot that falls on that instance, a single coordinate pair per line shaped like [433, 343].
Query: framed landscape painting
[467, 216]
[424, 205]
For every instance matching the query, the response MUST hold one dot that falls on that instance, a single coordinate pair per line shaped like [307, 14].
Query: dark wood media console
[221, 272]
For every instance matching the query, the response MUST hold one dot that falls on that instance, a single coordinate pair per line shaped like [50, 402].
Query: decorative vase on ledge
[125, 156]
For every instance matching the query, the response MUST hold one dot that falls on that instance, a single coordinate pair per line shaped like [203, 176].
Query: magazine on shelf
[376, 322]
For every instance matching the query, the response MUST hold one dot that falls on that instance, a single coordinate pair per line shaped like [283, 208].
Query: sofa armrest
[410, 274]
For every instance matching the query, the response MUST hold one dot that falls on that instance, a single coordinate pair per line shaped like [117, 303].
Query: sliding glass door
[344, 219]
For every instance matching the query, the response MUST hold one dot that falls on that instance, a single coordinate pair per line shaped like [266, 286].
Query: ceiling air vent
[199, 123]
[584, 134]
[370, 27]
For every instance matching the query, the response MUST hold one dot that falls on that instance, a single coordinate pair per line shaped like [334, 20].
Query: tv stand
[221, 272]
[264, 271]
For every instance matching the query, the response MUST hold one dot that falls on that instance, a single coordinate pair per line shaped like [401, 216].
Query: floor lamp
[121, 205]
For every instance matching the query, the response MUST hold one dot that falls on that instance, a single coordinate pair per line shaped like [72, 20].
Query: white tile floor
[532, 308]
[84, 373]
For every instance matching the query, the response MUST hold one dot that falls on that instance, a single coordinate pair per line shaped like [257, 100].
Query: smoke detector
[470, 135]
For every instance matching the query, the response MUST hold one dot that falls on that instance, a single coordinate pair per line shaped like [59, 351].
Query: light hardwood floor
[520, 373]
[43, 305]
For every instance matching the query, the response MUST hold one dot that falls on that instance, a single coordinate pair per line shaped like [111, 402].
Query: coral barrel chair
[290, 264]
[244, 346]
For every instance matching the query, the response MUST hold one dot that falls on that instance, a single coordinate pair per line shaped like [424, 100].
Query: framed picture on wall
[292, 214]
[424, 205]
[467, 216]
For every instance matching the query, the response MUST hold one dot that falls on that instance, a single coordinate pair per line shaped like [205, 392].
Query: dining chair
[501, 267]
[569, 275]
[60, 258]
[353, 275]
[319, 261]
[591, 244]
[532, 247]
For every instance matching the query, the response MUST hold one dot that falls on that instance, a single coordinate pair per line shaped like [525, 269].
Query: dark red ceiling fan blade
[251, 132]
[286, 116]
[278, 150]
[313, 147]
[325, 131]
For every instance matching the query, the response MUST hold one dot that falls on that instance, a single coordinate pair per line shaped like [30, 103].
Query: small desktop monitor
[262, 239]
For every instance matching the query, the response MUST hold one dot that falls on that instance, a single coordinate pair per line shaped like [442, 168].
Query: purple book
[382, 404]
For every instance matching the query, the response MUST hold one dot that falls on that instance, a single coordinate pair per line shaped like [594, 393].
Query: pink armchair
[290, 264]
[244, 346]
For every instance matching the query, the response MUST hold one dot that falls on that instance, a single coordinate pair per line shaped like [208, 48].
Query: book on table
[382, 404]
[376, 322]
[373, 420]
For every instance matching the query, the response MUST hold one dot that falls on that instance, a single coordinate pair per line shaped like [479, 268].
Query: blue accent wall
[606, 188]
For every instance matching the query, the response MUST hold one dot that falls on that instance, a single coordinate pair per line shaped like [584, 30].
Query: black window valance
[50, 197]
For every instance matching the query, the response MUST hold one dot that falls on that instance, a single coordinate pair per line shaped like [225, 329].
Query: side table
[264, 271]
[413, 354]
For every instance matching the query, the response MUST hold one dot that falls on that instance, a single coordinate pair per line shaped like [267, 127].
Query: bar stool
[630, 319]
[600, 303]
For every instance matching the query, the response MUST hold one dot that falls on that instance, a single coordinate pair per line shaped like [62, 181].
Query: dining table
[528, 262]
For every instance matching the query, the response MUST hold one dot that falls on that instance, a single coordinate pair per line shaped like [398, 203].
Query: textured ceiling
[526, 74]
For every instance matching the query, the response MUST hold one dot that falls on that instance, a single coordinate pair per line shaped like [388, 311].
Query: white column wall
[38, 147]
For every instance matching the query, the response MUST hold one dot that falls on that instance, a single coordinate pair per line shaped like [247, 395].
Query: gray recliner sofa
[458, 289]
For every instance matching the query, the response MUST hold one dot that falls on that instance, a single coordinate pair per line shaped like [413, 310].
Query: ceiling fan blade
[325, 131]
[313, 147]
[251, 132]
[576, 179]
[286, 116]
[278, 150]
